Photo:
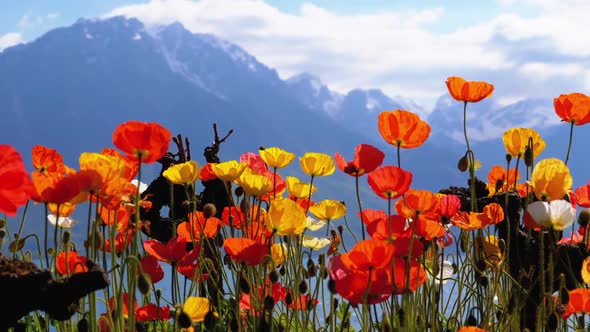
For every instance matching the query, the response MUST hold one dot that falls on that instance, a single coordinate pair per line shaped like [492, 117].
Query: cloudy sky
[527, 49]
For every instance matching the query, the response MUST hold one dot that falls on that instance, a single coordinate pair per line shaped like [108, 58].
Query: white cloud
[52, 16]
[401, 52]
[10, 39]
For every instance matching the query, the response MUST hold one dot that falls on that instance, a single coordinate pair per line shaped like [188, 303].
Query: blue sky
[527, 49]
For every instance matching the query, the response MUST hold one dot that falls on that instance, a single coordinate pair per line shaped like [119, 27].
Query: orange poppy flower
[366, 159]
[15, 184]
[427, 229]
[207, 173]
[141, 140]
[68, 263]
[368, 254]
[380, 229]
[46, 160]
[54, 188]
[419, 203]
[122, 241]
[303, 302]
[403, 129]
[573, 108]
[471, 91]
[491, 215]
[119, 217]
[130, 166]
[500, 181]
[471, 329]
[247, 251]
[202, 226]
[389, 182]
[125, 309]
[416, 272]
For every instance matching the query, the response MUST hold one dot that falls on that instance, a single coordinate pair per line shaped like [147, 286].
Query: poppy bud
[158, 294]
[482, 280]
[2, 222]
[239, 191]
[82, 325]
[303, 287]
[209, 210]
[245, 206]
[289, 298]
[66, 237]
[226, 259]
[269, 303]
[402, 317]
[499, 315]
[584, 217]
[144, 283]
[332, 286]
[508, 157]
[552, 321]
[385, 325]
[335, 304]
[282, 271]
[2, 233]
[528, 156]
[182, 318]
[261, 148]
[324, 272]
[480, 265]
[273, 276]
[321, 259]
[210, 320]
[219, 239]
[311, 271]
[310, 304]
[263, 325]
[244, 285]
[340, 229]
[16, 245]
[564, 296]
[471, 320]
[463, 163]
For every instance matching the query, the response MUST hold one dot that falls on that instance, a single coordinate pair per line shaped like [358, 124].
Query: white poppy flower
[314, 225]
[444, 272]
[65, 222]
[142, 186]
[315, 243]
[558, 214]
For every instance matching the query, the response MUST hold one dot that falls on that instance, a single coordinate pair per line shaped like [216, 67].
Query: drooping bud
[273, 276]
[66, 237]
[209, 210]
[463, 163]
[244, 285]
[144, 283]
[82, 325]
[303, 287]
[528, 156]
[584, 217]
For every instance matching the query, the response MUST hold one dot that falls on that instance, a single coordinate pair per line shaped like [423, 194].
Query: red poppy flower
[276, 290]
[356, 286]
[15, 184]
[403, 129]
[140, 140]
[254, 162]
[207, 173]
[366, 159]
[583, 195]
[379, 229]
[149, 265]
[416, 272]
[70, 263]
[499, 180]
[471, 91]
[125, 310]
[151, 312]
[390, 182]
[573, 108]
[248, 251]
[579, 302]
[170, 252]
[449, 206]
[303, 302]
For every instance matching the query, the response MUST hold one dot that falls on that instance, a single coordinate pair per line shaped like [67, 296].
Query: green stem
[569, 146]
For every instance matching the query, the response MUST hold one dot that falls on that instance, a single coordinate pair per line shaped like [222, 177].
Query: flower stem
[569, 146]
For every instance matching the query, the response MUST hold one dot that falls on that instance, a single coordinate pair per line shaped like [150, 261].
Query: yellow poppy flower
[285, 217]
[516, 141]
[184, 173]
[229, 170]
[276, 157]
[551, 179]
[196, 308]
[586, 270]
[279, 253]
[328, 209]
[317, 164]
[254, 184]
[299, 189]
